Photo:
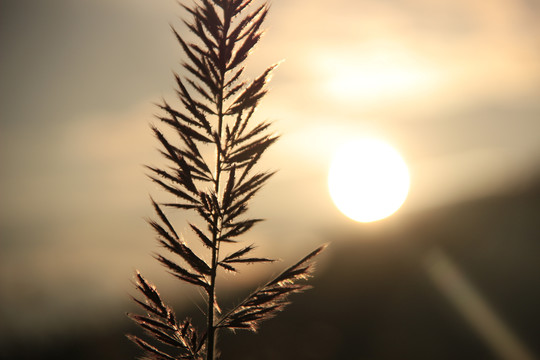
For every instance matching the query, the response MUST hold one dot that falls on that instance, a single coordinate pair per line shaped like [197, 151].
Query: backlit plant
[216, 109]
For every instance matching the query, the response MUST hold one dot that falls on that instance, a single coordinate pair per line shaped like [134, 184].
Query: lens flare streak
[453, 284]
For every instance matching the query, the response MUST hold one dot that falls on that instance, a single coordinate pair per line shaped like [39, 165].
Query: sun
[368, 180]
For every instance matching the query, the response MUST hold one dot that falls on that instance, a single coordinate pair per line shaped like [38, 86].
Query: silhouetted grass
[217, 107]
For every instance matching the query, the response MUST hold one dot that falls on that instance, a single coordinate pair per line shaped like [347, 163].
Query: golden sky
[453, 85]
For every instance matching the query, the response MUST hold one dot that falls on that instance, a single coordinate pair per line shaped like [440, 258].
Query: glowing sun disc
[368, 180]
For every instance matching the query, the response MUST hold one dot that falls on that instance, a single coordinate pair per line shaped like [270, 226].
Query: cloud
[467, 50]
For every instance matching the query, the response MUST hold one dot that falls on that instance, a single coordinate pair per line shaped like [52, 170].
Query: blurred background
[454, 86]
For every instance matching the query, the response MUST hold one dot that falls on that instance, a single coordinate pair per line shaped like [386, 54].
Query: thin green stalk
[215, 251]
[217, 222]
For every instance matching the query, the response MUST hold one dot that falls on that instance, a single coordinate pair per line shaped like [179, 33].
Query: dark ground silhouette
[372, 299]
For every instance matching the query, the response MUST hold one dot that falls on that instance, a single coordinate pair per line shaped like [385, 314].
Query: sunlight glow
[368, 180]
[382, 73]
[379, 81]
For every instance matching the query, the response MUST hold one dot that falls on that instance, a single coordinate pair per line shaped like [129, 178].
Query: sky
[452, 85]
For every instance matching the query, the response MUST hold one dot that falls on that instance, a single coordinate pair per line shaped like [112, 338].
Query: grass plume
[216, 109]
